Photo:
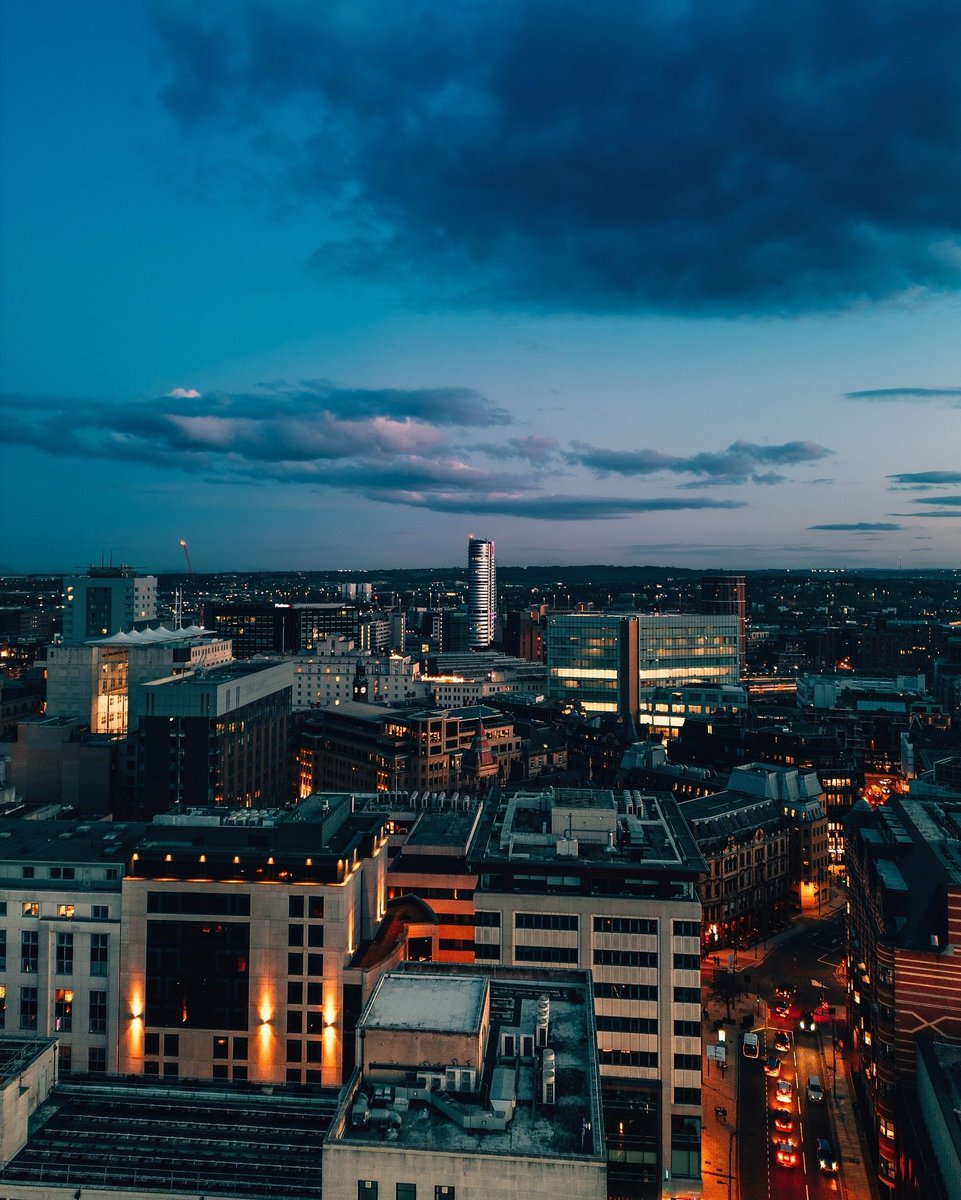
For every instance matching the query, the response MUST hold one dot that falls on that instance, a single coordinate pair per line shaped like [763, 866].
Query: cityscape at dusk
[323, 286]
[480, 600]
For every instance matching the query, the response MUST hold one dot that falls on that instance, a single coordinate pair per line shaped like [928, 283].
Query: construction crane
[190, 566]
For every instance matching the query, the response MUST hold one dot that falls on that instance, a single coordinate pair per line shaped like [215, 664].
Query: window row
[63, 1010]
[625, 958]
[625, 925]
[626, 1024]
[369, 1189]
[564, 921]
[63, 952]
[625, 991]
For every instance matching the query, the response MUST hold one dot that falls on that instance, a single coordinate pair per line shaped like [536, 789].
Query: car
[782, 1009]
[824, 1152]
[772, 1066]
[751, 1047]
[814, 1089]
[782, 1041]
[787, 1153]
[783, 1122]
[784, 990]
[784, 1092]
[806, 1021]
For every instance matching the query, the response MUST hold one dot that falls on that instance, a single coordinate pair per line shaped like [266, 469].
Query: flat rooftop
[177, 1138]
[31, 842]
[439, 1003]
[572, 1127]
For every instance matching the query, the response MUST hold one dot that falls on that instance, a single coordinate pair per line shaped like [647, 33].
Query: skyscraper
[481, 593]
[106, 600]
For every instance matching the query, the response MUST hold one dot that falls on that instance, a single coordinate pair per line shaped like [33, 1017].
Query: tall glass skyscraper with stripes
[481, 593]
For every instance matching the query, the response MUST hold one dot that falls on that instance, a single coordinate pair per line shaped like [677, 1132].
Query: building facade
[106, 600]
[481, 593]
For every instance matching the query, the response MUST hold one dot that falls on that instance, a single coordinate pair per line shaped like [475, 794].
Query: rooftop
[176, 1138]
[441, 1004]
[24, 842]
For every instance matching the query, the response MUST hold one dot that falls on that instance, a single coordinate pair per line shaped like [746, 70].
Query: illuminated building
[591, 880]
[472, 1084]
[903, 965]
[106, 600]
[726, 595]
[250, 941]
[60, 895]
[481, 593]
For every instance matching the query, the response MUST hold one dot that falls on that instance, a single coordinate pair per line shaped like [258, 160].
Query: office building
[325, 677]
[216, 737]
[60, 899]
[471, 1084]
[580, 878]
[726, 596]
[106, 600]
[481, 593]
[903, 962]
[249, 940]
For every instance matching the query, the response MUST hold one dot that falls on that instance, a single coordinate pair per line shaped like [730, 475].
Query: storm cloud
[747, 158]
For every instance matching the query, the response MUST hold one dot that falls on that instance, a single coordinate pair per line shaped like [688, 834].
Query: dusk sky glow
[323, 286]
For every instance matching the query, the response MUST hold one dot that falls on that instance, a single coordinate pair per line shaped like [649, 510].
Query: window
[63, 873]
[625, 958]
[171, 1069]
[31, 908]
[295, 906]
[687, 1062]
[221, 1047]
[687, 928]
[65, 1058]
[524, 920]
[151, 1043]
[66, 910]
[626, 991]
[686, 1147]
[28, 872]
[685, 995]
[443, 1193]
[151, 1068]
[554, 954]
[295, 993]
[220, 1071]
[687, 1096]
[98, 1012]
[366, 1189]
[97, 1060]
[314, 1052]
[607, 1024]
[240, 1048]
[315, 993]
[486, 920]
[315, 909]
[295, 1021]
[28, 1008]
[63, 1010]
[99, 943]
[406, 1191]
[99, 912]
[295, 935]
[29, 951]
[3, 949]
[239, 1072]
[3, 1005]
[295, 964]
[64, 953]
[315, 1022]
[625, 925]
[687, 962]
[315, 935]
[687, 1028]
[171, 1045]
[295, 1051]
[483, 951]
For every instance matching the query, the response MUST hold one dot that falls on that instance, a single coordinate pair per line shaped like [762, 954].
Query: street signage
[717, 1051]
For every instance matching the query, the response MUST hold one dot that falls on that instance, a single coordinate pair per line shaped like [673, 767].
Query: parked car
[784, 1092]
[787, 1154]
[772, 1066]
[751, 1047]
[827, 1160]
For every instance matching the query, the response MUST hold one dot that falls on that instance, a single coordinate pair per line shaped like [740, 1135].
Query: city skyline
[329, 287]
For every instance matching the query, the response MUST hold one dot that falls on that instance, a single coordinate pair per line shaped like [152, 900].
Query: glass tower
[481, 593]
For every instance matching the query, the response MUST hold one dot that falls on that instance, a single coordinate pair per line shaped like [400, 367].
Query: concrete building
[582, 879]
[250, 941]
[106, 600]
[99, 681]
[934, 1126]
[60, 900]
[470, 1085]
[56, 760]
[28, 1070]
[664, 710]
[481, 593]
[903, 961]
[216, 737]
[326, 676]
[726, 596]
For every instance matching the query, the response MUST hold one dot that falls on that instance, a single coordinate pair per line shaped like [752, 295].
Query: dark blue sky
[336, 285]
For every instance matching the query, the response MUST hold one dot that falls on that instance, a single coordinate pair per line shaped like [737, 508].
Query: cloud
[740, 462]
[905, 393]
[179, 393]
[754, 158]
[389, 445]
[949, 501]
[927, 478]
[859, 527]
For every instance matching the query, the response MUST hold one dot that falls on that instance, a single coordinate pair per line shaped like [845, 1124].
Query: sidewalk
[718, 1146]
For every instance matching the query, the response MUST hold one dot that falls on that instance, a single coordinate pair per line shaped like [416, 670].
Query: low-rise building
[471, 1084]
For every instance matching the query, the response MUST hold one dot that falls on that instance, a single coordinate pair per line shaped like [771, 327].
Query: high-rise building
[106, 600]
[726, 596]
[481, 593]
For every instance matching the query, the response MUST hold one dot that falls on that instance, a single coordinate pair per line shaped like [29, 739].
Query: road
[809, 963]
